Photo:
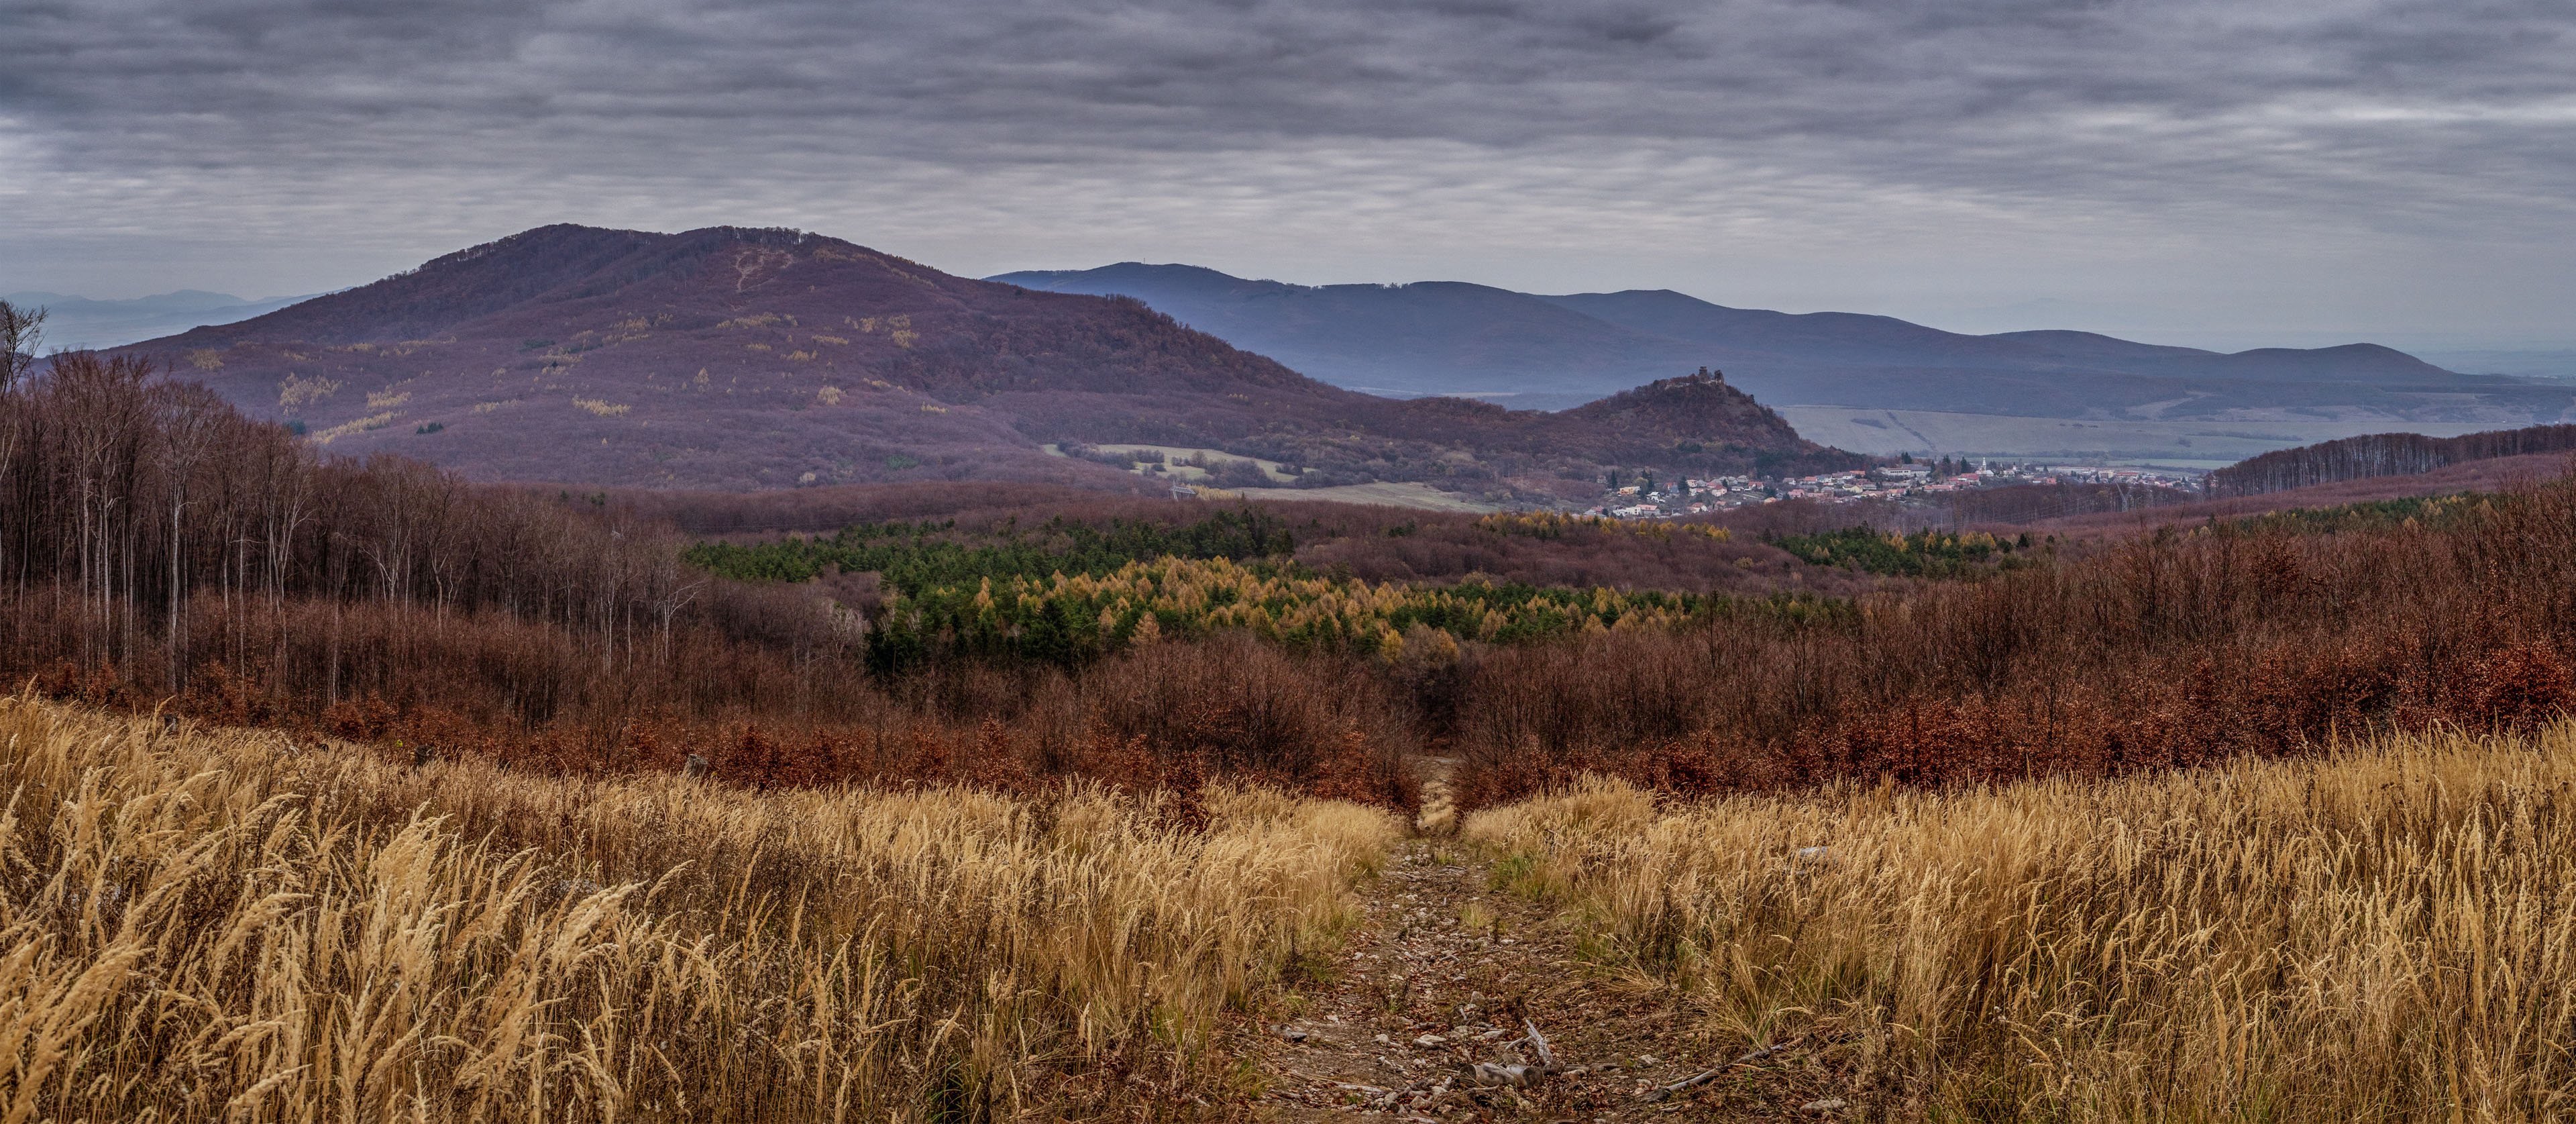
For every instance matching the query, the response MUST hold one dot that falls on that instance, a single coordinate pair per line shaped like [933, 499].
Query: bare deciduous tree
[21, 332]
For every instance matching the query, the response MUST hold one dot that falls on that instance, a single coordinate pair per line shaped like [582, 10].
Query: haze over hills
[728, 357]
[81, 323]
[1433, 337]
[1455, 338]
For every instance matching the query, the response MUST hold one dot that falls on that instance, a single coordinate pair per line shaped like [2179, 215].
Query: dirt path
[1446, 972]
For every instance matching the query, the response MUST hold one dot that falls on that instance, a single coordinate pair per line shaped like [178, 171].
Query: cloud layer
[2329, 161]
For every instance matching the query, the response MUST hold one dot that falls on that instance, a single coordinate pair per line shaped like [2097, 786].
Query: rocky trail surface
[1454, 1001]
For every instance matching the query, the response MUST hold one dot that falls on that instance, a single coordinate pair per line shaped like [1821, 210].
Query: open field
[212, 923]
[1389, 493]
[221, 924]
[1173, 455]
[1412, 494]
[2177, 444]
[2385, 933]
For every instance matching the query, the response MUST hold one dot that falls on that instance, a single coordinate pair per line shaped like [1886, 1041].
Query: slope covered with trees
[159, 549]
[1442, 337]
[742, 359]
[2381, 454]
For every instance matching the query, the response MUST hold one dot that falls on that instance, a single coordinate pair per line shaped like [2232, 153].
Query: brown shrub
[364, 719]
[2520, 688]
[2170, 649]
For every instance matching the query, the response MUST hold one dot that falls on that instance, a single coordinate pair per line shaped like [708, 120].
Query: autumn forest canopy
[972, 799]
[1249, 647]
[162, 551]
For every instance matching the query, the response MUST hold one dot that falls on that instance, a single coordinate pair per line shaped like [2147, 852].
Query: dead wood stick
[1704, 1078]
[1546, 1057]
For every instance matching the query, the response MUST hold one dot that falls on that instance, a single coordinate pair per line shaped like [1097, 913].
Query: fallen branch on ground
[1704, 1078]
[1491, 1074]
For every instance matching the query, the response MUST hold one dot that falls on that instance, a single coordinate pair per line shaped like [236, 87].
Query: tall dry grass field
[2387, 932]
[204, 925]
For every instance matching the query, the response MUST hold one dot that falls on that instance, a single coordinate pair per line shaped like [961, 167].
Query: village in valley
[1642, 496]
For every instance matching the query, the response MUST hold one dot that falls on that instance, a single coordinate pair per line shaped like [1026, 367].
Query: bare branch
[21, 332]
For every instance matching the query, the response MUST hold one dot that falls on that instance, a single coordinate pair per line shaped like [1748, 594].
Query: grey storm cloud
[1417, 133]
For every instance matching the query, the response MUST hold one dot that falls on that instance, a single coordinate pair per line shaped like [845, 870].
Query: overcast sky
[2217, 173]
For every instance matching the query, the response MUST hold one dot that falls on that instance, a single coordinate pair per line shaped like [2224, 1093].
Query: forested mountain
[1554, 351]
[1427, 338]
[743, 358]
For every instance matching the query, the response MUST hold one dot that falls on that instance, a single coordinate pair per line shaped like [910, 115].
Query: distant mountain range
[83, 324]
[1455, 338]
[741, 358]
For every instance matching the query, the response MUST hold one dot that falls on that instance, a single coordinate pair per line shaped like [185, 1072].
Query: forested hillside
[1444, 337]
[162, 550]
[2381, 454]
[749, 359]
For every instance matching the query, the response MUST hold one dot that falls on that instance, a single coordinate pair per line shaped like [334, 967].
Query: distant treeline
[1989, 508]
[2381, 454]
[913, 557]
[2030, 503]
[1066, 594]
[1921, 554]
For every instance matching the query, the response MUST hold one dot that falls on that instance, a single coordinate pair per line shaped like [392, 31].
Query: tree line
[123, 496]
[2381, 454]
[161, 551]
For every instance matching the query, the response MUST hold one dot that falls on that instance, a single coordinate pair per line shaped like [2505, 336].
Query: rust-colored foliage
[364, 719]
[2520, 687]
[160, 551]
[2172, 649]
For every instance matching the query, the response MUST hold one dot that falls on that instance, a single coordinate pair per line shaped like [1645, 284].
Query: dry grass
[200, 925]
[2385, 932]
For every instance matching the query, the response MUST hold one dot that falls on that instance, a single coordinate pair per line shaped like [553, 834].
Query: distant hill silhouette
[83, 324]
[1432, 337]
[743, 358]
[1450, 338]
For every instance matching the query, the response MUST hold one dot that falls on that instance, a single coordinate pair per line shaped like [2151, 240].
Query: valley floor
[2194, 444]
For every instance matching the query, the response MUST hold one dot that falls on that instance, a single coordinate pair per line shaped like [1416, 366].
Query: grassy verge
[209, 924]
[2387, 932]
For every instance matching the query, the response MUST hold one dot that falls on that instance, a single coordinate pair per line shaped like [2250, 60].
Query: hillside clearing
[1409, 493]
